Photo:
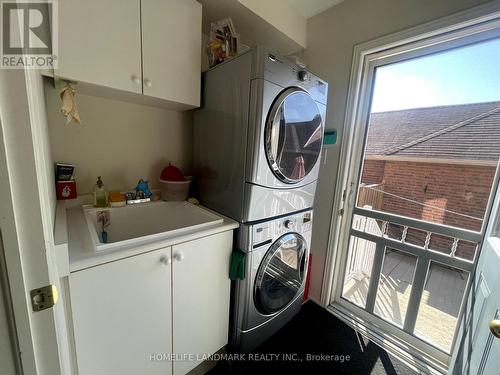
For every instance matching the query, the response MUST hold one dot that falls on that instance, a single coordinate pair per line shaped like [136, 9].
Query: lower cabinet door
[122, 316]
[201, 289]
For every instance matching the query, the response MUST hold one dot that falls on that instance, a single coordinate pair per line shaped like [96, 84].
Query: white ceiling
[309, 8]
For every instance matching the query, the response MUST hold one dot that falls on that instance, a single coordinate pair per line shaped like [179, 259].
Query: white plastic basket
[175, 190]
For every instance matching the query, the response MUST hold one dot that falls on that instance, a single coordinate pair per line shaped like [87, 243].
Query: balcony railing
[375, 233]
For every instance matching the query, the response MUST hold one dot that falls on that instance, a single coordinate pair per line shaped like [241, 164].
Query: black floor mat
[315, 342]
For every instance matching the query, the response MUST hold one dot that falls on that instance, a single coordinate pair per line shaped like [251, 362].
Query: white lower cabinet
[201, 289]
[160, 312]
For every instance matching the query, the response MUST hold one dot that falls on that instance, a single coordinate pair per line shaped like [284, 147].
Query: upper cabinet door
[171, 45]
[100, 43]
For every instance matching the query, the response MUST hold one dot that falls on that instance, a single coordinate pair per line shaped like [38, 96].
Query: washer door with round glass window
[293, 135]
[281, 274]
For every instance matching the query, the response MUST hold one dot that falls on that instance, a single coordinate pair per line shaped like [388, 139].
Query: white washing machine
[277, 254]
[258, 136]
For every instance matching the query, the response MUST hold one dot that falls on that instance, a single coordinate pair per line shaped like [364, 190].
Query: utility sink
[142, 223]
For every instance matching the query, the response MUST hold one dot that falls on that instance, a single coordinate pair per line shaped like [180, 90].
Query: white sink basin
[146, 222]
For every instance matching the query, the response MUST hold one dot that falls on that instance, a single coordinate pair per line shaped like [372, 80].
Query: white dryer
[277, 253]
[258, 136]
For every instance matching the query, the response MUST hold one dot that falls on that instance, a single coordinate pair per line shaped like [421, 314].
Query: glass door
[281, 274]
[294, 134]
[428, 168]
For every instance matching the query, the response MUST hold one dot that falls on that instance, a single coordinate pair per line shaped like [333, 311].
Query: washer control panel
[289, 223]
[267, 232]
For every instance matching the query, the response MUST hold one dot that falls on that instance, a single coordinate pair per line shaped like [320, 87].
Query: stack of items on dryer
[257, 147]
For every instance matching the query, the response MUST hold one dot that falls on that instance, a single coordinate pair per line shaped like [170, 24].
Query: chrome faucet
[141, 193]
[142, 189]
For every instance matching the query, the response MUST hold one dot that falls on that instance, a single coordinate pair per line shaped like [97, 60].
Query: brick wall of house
[373, 171]
[459, 188]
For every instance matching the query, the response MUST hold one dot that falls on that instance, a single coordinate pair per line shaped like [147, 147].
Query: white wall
[282, 15]
[331, 38]
[120, 141]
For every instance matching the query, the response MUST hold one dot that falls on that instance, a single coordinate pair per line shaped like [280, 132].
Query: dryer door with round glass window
[294, 134]
[281, 274]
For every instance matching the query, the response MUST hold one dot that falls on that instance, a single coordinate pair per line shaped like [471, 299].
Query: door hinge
[344, 195]
[44, 297]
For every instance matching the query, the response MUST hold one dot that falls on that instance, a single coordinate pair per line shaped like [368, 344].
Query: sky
[464, 75]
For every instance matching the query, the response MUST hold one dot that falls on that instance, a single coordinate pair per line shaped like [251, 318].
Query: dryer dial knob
[288, 224]
[303, 75]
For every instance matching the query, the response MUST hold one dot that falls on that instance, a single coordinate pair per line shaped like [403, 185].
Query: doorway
[419, 186]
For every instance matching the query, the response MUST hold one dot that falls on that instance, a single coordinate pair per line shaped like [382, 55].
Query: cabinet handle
[179, 257]
[136, 80]
[166, 260]
[148, 83]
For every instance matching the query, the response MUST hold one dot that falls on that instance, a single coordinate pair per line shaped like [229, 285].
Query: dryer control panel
[286, 73]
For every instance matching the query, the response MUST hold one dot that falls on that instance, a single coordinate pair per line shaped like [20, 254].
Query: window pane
[358, 270]
[440, 305]
[395, 286]
[420, 163]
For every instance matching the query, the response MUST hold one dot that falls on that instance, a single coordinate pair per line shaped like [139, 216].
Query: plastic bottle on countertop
[100, 194]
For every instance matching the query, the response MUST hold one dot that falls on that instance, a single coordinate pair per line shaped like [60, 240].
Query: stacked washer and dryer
[257, 145]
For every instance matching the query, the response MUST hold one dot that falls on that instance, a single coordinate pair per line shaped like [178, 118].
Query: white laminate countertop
[82, 254]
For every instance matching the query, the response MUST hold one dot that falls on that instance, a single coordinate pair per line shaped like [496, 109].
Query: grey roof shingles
[467, 131]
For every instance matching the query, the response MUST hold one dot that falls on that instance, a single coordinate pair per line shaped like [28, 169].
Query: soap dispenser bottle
[100, 194]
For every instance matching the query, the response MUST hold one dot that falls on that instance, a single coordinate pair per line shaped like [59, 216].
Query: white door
[201, 289]
[406, 261]
[122, 316]
[477, 351]
[27, 220]
[100, 43]
[171, 43]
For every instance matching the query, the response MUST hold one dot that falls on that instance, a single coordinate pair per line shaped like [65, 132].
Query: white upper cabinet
[100, 43]
[171, 44]
[149, 47]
